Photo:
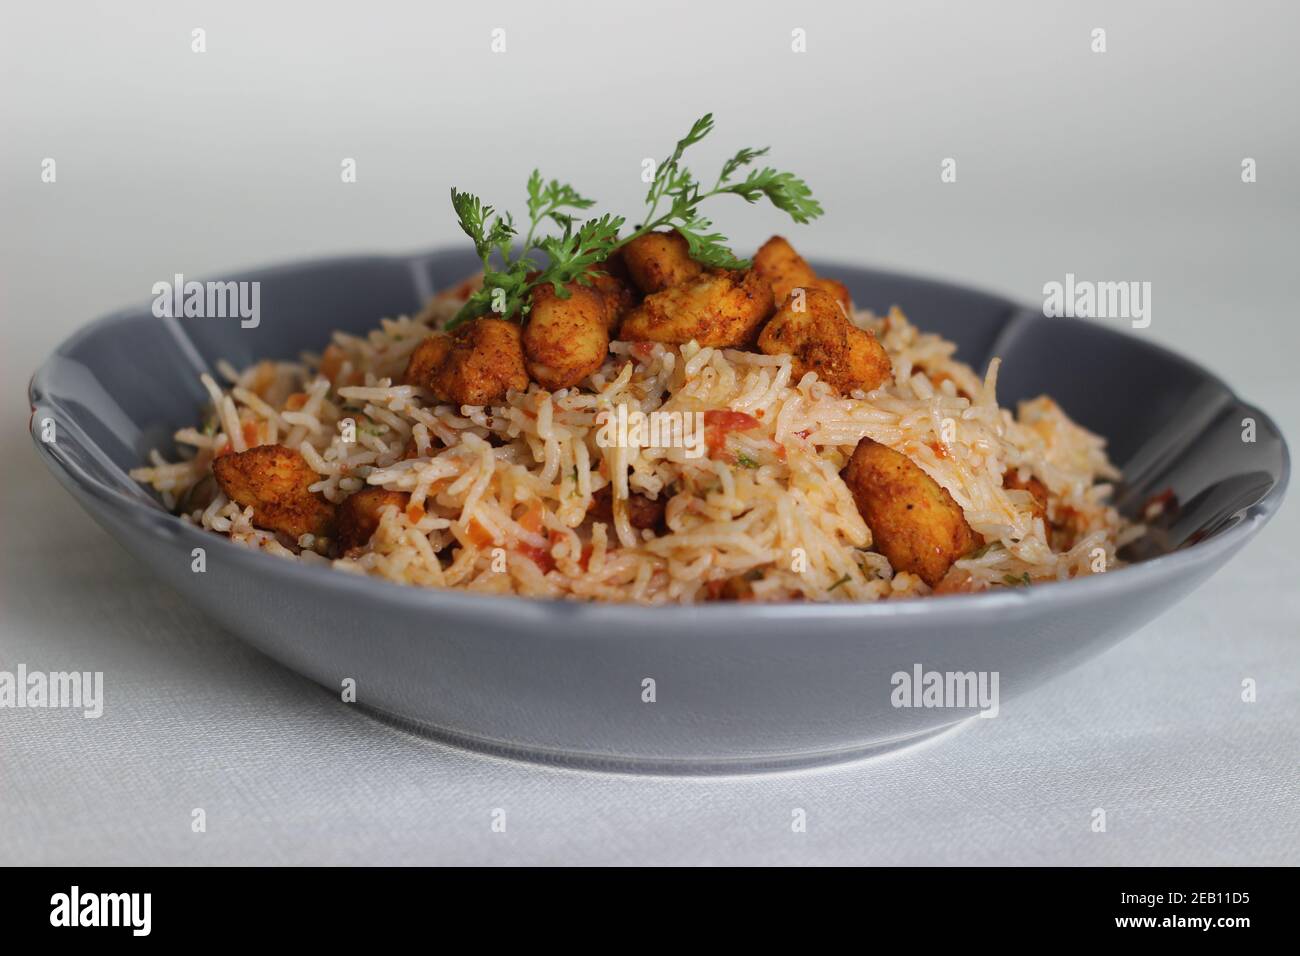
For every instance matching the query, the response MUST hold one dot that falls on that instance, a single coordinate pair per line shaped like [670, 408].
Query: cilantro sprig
[673, 201]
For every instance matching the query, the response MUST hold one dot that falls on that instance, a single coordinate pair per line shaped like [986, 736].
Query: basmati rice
[500, 495]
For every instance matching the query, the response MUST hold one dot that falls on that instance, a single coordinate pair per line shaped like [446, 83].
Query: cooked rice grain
[500, 495]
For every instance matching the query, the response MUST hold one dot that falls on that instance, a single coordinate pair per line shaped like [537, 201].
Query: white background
[1115, 166]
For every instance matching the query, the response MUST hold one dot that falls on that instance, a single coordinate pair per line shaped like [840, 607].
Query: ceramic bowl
[736, 687]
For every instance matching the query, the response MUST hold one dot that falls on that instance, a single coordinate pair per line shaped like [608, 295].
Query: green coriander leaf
[785, 191]
[579, 247]
[548, 200]
[574, 252]
[668, 177]
[741, 159]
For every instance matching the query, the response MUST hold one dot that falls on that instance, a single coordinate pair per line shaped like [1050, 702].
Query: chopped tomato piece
[727, 420]
[531, 520]
[478, 535]
[539, 556]
[719, 421]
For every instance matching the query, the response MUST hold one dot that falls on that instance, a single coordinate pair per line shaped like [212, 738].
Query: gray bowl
[736, 687]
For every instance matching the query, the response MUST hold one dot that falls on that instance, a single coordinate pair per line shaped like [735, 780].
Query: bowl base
[663, 766]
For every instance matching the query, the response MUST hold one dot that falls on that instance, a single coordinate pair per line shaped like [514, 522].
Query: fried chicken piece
[274, 480]
[821, 339]
[359, 515]
[738, 587]
[610, 278]
[659, 260]
[722, 308]
[642, 512]
[836, 288]
[779, 263]
[913, 520]
[477, 364]
[1038, 491]
[565, 340]
[427, 359]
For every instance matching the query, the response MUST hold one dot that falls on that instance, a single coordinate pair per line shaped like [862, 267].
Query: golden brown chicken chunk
[642, 512]
[274, 481]
[477, 364]
[359, 515]
[913, 520]
[659, 260]
[1038, 491]
[779, 263]
[565, 340]
[427, 359]
[735, 588]
[610, 278]
[722, 308]
[821, 339]
[836, 288]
